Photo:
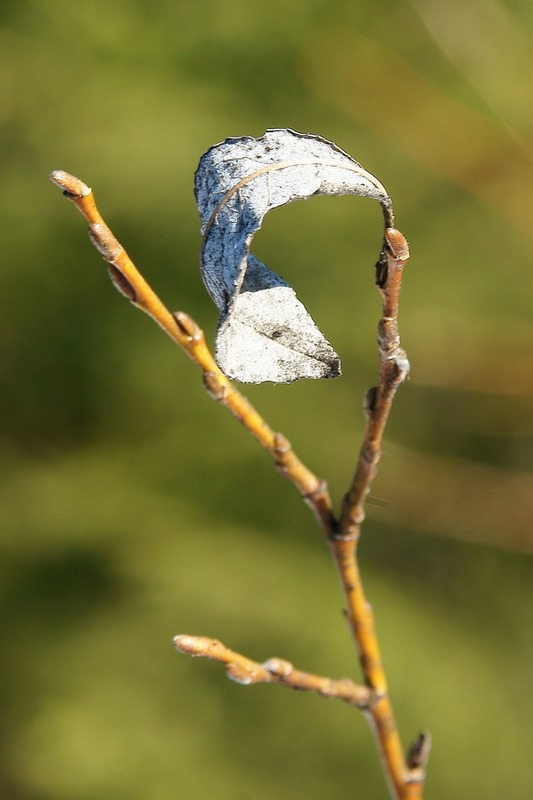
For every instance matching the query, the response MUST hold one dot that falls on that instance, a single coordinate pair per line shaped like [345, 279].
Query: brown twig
[275, 670]
[404, 783]
[394, 368]
[187, 334]
[405, 777]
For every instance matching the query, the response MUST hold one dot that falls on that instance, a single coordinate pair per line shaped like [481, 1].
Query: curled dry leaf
[264, 331]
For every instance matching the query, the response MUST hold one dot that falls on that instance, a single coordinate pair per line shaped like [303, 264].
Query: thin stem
[186, 333]
[243, 670]
[404, 783]
[394, 368]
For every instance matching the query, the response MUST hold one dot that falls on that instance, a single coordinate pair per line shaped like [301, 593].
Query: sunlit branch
[187, 334]
[275, 670]
[405, 776]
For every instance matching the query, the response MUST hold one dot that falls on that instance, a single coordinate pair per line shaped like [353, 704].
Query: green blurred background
[133, 508]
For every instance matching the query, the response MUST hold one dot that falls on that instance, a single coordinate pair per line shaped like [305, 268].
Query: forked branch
[405, 776]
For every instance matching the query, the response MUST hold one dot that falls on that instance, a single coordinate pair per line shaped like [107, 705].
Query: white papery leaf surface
[264, 331]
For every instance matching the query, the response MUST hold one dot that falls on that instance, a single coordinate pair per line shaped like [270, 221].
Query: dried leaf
[264, 332]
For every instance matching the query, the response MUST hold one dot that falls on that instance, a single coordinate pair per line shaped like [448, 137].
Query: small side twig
[242, 669]
[405, 776]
